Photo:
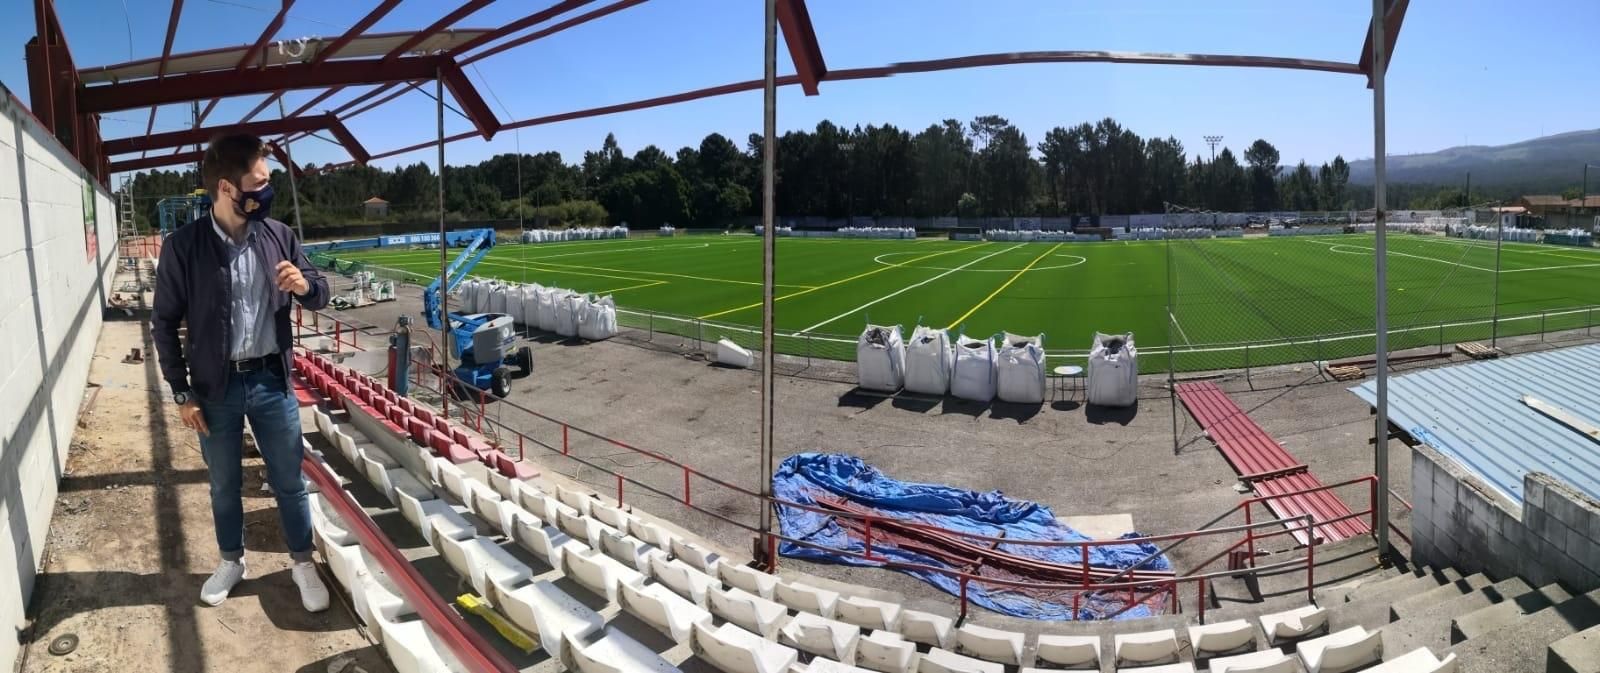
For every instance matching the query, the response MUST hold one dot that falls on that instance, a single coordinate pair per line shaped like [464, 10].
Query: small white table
[1065, 372]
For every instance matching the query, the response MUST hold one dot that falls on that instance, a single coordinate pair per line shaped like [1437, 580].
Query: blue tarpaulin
[804, 477]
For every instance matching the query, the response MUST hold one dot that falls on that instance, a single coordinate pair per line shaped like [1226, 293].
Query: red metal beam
[341, 110]
[283, 159]
[471, 103]
[533, 19]
[264, 103]
[574, 21]
[156, 161]
[1394, 17]
[354, 147]
[356, 30]
[180, 88]
[442, 24]
[200, 135]
[266, 35]
[166, 47]
[801, 37]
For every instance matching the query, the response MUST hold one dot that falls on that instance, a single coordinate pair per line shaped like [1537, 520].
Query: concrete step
[1421, 602]
[1379, 583]
[1523, 644]
[1337, 563]
[1577, 653]
[1369, 606]
[1430, 628]
[1484, 620]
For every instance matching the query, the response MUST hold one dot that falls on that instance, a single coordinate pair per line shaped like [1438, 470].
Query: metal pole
[444, 264]
[769, 125]
[1172, 364]
[1494, 311]
[294, 193]
[1380, 457]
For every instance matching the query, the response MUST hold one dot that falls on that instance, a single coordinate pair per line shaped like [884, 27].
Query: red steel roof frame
[795, 21]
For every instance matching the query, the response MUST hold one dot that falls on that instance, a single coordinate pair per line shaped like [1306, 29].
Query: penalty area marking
[1335, 248]
[963, 267]
[913, 286]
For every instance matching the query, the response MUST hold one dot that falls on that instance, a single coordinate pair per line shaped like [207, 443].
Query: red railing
[344, 334]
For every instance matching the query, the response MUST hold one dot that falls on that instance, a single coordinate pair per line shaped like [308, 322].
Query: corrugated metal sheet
[1474, 414]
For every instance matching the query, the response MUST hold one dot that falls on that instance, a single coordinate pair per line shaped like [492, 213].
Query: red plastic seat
[405, 403]
[442, 424]
[457, 454]
[515, 469]
[420, 432]
[399, 416]
[459, 435]
[440, 443]
[423, 413]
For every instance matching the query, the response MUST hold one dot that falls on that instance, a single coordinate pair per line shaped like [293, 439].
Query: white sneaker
[221, 582]
[313, 593]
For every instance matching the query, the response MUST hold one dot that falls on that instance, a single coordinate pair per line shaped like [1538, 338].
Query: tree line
[984, 167]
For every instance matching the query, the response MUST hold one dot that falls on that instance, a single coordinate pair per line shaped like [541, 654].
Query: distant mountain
[1540, 166]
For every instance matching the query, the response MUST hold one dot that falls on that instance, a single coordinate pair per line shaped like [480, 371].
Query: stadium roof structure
[68, 100]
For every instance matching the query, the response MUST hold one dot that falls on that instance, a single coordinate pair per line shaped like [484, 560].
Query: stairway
[1504, 626]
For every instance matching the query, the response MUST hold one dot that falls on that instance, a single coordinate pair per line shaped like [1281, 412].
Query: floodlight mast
[1212, 141]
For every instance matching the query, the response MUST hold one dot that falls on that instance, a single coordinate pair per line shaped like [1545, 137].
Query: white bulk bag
[514, 296]
[929, 359]
[1019, 378]
[973, 376]
[731, 354]
[880, 359]
[1113, 371]
[598, 320]
[567, 310]
[547, 308]
[466, 297]
[481, 295]
[530, 305]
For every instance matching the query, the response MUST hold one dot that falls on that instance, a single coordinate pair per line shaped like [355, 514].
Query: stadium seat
[682, 579]
[610, 516]
[454, 481]
[654, 534]
[1265, 661]
[1146, 648]
[395, 480]
[583, 528]
[498, 512]
[419, 512]
[1209, 640]
[631, 551]
[1070, 651]
[1294, 624]
[577, 500]
[545, 541]
[327, 525]
[597, 572]
[699, 558]
[748, 579]
[543, 608]
[944, 661]
[477, 560]
[1420, 660]
[990, 644]
[928, 628]
[867, 613]
[806, 598]
[826, 665]
[751, 612]
[1341, 651]
[546, 507]
[610, 651]
[735, 650]
[659, 607]
[1180, 667]
[887, 652]
[821, 636]
[411, 646]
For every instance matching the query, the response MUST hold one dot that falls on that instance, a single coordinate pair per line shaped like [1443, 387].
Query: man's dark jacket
[193, 286]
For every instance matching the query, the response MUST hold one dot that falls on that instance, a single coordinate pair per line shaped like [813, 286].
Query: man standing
[230, 276]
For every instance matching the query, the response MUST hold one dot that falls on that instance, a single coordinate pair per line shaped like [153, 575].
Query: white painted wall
[51, 296]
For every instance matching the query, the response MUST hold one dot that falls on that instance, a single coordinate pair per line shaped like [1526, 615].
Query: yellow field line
[858, 276]
[1002, 288]
[615, 290]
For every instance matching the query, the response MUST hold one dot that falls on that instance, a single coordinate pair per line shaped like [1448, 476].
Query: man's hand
[290, 280]
[193, 418]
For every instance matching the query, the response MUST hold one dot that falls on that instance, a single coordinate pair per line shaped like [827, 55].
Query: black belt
[255, 364]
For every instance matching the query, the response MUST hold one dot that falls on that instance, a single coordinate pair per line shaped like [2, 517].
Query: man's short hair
[229, 157]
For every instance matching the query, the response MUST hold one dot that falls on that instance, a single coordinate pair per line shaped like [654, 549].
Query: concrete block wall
[55, 270]
[1460, 521]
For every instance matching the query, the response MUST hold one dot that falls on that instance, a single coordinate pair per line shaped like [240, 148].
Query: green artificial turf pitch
[1294, 298]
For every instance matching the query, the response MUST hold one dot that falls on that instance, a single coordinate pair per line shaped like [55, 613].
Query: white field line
[1181, 333]
[402, 256]
[898, 292]
[1332, 245]
[1512, 246]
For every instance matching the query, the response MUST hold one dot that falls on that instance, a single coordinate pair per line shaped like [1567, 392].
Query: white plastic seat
[454, 480]
[1420, 660]
[735, 650]
[490, 507]
[651, 533]
[1209, 640]
[1180, 667]
[610, 651]
[1146, 648]
[928, 628]
[610, 516]
[515, 490]
[413, 648]
[477, 560]
[1265, 661]
[583, 528]
[1294, 624]
[821, 636]
[421, 512]
[544, 541]
[373, 463]
[597, 572]
[321, 419]
[826, 665]
[1070, 651]
[659, 607]
[577, 500]
[546, 507]
[1341, 651]
[399, 479]
[990, 644]
[806, 598]
[698, 557]
[867, 613]
[682, 579]
[749, 611]
[887, 652]
[748, 579]
[543, 608]
[944, 661]
[631, 551]
[327, 524]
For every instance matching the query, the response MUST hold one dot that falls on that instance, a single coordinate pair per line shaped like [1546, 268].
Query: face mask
[255, 205]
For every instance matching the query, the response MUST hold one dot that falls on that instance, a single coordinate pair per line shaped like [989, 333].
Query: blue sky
[1466, 71]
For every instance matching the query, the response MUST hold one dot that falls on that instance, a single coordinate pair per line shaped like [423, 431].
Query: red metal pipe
[1249, 536]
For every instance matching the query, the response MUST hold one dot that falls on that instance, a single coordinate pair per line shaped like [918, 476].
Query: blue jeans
[263, 396]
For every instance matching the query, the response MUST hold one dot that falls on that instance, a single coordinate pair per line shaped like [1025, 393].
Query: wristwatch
[181, 398]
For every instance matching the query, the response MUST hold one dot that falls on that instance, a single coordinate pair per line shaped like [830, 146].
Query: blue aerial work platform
[479, 340]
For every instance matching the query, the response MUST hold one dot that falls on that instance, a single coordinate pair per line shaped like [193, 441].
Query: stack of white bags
[929, 361]
[1113, 371]
[573, 234]
[1019, 374]
[564, 312]
[880, 359]
[780, 231]
[668, 230]
[1029, 236]
[973, 375]
[901, 233]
